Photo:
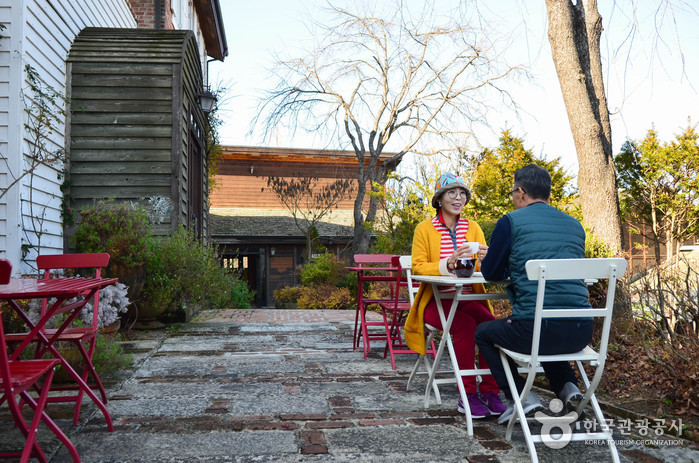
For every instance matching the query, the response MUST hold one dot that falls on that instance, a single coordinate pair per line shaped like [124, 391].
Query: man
[535, 230]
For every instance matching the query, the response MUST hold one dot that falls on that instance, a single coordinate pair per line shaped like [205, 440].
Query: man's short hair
[535, 181]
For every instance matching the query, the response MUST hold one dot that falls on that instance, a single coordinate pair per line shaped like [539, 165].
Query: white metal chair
[407, 263]
[589, 270]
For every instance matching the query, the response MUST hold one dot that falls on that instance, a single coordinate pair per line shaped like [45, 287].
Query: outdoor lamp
[207, 100]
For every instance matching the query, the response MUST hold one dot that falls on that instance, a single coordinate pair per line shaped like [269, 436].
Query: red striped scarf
[447, 246]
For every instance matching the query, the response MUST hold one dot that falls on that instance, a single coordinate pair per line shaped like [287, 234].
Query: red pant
[468, 315]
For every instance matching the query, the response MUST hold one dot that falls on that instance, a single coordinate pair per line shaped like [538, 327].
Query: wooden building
[135, 126]
[255, 232]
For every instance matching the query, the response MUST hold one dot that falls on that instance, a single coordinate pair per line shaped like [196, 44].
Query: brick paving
[283, 316]
[286, 386]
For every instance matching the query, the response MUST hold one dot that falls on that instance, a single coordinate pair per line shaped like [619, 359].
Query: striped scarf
[451, 243]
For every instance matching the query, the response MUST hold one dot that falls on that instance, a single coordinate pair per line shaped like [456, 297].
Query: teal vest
[540, 231]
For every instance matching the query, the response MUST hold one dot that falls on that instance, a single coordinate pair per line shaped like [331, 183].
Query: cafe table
[440, 284]
[63, 290]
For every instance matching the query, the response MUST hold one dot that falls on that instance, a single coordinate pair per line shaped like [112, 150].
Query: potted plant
[113, 302]
[122, 230]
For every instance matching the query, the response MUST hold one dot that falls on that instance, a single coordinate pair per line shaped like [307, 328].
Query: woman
[437, 243]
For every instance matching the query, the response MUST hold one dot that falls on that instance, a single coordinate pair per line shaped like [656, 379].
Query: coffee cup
[475, 246]
[464, 267]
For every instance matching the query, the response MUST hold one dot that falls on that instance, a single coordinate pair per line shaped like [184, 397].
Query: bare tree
[575, 28]
[307, 202]
[388, 86]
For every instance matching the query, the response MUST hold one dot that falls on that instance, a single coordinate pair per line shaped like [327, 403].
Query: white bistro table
[442, 282]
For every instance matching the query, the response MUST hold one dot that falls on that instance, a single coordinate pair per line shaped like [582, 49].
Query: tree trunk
[360, 240]
[574, 35]
[309, 245]
[655, 227]
[362, 235]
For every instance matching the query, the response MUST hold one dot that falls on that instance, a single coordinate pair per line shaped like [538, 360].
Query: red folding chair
[5, 271]
[371, 268]
[17, 377]
[78, 336]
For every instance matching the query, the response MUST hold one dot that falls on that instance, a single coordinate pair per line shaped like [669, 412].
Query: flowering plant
[113, 301]
[120, 229]
[159, 208]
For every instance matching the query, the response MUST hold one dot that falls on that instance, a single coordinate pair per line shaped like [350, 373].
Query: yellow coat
[426, 248]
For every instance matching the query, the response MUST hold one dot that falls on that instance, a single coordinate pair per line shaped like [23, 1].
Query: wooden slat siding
[129, 104]
[133, 168]
[195, 83]
[178, 150]
[239, 188]
[155, 128]
[151, 81]
[120, 92]
[191, 84]
[133, 143]
[110, 118]
[128, 69]
[124, 155]
[130, 193]
[247, 192]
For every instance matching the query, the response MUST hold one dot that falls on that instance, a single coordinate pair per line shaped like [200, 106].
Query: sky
[652, 79]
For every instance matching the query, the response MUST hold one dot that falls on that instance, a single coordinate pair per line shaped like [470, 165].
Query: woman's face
[453, 201]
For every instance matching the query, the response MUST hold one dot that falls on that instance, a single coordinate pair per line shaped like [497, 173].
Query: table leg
[83, 385]
[48, 344]
[446, 325]
[359, 314]
[446, 339]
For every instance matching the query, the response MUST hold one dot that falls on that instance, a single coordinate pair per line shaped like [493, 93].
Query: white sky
[646, 87]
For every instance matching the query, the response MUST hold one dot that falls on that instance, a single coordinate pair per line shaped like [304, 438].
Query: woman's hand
[482, 252]
[463, 251]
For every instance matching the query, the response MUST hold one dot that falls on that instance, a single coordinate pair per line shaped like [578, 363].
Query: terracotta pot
[111, 330]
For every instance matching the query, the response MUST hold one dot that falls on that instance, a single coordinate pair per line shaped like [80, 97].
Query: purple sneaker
[478, 410]
[493, 402]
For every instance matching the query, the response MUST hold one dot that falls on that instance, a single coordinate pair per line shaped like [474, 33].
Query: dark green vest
[540, 231]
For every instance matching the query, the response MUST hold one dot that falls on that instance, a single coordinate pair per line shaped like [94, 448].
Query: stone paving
[264, 385]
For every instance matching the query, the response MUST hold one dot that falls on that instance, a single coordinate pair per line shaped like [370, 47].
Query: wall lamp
[252, 169]
[272, 251]
[207, 100]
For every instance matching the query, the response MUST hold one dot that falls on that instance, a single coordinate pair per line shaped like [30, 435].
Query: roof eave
[211, 23]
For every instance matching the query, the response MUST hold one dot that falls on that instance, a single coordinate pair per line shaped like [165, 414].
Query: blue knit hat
[446, 182]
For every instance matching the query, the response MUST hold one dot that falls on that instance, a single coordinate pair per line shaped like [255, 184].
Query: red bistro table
[63, 289]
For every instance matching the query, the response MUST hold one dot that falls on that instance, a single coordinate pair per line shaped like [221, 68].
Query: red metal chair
[17, 377]
[78, 336]
[5, 271]
[371, 268]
